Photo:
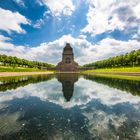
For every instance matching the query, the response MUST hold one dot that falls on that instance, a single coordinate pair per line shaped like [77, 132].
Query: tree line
[14, 61]
[132, 86]
[15, 82]
[131, 59]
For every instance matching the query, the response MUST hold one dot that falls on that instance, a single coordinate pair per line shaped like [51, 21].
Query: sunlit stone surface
[69, 107]
[67, 63]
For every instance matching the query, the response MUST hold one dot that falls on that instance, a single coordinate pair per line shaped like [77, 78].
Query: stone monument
[67, 64]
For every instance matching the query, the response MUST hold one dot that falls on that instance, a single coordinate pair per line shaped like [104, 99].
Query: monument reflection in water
[69, 106]
[67, 81]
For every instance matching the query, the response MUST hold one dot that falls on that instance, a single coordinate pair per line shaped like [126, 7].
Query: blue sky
[96, 29]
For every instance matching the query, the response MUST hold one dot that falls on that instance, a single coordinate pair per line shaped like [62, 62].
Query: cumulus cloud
[10, 49]
[20, 2]
[38, 23]
[85, 52]
[11, 21]
[59, 7]
[112, 14]
[3, 38]
[109, 47]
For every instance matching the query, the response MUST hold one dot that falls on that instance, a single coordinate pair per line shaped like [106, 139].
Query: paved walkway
[119, 73]
[5, 74]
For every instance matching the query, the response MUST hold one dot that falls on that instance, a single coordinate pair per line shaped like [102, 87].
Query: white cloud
[11, 21]
[10, 49]
[112, 14]
[110, 47]
[84, 51]
[59, 7]
[20, 2]
[3, 38]
[39, 23]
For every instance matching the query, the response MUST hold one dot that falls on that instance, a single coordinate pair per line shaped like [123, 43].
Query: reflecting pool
[69, 107]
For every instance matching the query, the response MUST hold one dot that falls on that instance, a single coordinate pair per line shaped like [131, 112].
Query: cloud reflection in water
[91, 110]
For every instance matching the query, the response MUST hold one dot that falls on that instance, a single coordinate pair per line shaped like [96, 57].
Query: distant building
[67, 63]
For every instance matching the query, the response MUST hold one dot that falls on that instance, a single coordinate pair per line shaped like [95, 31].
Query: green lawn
[19, 69]
[123, 77]
[127, 69]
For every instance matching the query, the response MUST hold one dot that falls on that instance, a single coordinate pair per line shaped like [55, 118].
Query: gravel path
[5, 74]
[119, 73]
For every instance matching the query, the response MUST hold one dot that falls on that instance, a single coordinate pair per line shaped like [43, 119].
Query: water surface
[69, 107]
